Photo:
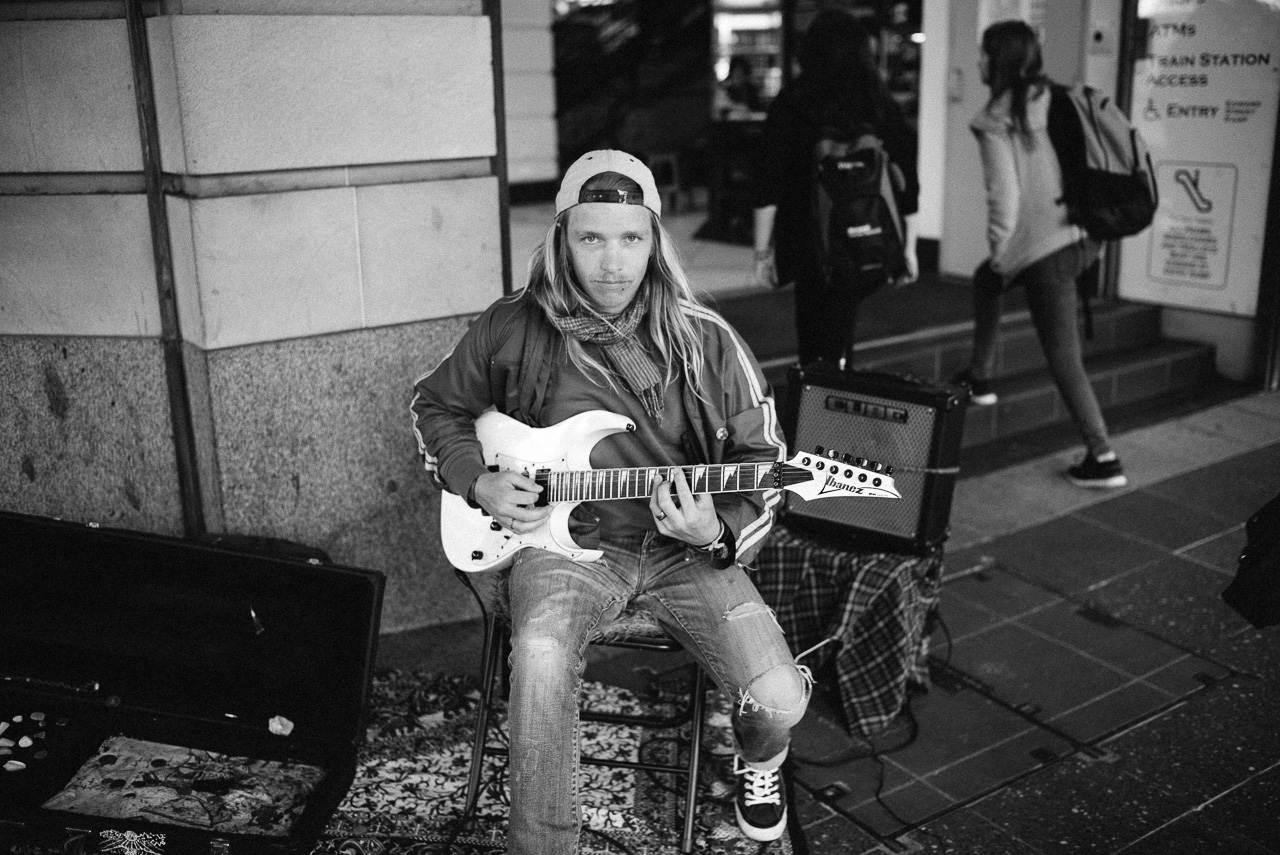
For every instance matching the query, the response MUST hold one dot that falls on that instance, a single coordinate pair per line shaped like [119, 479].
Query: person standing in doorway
[1032, 244]
[839, 87]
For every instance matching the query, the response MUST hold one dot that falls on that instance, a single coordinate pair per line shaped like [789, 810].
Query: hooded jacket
[1026, 216]
[783, 168]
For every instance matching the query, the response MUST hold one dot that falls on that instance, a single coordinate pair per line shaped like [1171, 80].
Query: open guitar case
[163, 696]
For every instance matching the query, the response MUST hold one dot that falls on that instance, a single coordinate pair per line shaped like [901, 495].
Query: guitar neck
[597, 485]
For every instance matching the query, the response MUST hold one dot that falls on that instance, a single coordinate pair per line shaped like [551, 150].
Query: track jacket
[509, 359]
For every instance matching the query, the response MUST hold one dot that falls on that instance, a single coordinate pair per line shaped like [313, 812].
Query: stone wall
[332, 199]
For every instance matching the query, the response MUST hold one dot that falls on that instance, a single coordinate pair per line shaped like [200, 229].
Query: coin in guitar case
[18, 744]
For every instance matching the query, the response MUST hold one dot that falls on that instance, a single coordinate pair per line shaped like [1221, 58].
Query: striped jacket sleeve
[749, 432]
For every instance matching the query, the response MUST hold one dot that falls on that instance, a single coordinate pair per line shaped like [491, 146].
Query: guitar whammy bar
[159, 696]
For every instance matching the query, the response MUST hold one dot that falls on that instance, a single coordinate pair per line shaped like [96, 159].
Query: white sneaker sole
[1099, 483]
[763, 835]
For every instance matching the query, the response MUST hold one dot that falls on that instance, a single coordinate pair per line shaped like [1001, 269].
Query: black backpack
[861, 231]
[1254, 593]
[1108, 184]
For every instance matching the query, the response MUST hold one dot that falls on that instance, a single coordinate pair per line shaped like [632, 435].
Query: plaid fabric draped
[873, 605]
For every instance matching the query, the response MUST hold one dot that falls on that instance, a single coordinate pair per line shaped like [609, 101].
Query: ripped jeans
[556, 603]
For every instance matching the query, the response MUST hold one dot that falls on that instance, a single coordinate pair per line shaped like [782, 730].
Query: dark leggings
[826, 316]
[1052, 301]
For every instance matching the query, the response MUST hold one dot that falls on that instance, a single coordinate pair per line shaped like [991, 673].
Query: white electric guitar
[558, 458]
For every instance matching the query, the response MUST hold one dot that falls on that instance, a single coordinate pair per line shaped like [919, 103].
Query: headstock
[825, 472]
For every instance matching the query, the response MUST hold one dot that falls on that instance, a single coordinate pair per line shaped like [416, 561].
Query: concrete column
[335, 222]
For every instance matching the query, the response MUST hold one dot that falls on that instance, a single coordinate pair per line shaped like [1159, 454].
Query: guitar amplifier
[909, 425]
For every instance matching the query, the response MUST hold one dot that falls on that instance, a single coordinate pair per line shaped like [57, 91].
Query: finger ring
[660, 516]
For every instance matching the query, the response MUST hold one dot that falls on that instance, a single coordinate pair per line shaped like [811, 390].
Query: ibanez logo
[834, 486]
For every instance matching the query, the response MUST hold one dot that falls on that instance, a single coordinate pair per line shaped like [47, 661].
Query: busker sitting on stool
[608, 321]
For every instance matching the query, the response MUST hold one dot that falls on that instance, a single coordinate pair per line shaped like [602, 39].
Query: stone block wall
[332, 200]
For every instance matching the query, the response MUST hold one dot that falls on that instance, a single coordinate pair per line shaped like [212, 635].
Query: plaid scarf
[622, 350]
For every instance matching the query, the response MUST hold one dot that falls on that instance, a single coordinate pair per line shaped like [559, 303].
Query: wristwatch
[717, 548]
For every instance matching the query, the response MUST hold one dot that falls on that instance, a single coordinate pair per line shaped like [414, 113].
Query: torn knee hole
[746, 610]
[779, 691]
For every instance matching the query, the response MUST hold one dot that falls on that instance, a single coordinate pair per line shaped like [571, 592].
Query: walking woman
[1032, 244]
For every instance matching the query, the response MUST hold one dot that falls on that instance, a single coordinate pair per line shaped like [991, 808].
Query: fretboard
[596, 485]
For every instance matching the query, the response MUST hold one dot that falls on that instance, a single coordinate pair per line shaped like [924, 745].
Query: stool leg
[492, 650]
[695, 751]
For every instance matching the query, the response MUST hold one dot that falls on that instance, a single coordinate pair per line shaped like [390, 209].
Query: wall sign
[1205, 99]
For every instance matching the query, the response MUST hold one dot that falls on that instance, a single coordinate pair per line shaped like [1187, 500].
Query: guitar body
[472, 540]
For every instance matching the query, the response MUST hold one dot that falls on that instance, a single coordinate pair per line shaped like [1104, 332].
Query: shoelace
[761, 786]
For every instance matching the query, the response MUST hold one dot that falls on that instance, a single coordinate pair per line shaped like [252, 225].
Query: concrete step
[1030, 400]
[1127, 361]
[939, 353]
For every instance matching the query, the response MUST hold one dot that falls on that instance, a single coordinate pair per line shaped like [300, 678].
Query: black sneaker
[761, 801]
[980, 391]
[1092, 472]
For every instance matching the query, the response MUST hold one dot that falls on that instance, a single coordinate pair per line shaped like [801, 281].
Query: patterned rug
[411, 778]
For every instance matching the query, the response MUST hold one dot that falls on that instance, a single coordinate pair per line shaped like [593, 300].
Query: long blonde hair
[554, 286]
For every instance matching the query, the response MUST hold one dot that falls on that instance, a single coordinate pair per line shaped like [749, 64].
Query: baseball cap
[592, 164]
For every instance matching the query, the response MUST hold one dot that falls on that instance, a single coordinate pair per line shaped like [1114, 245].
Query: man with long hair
[608, 322]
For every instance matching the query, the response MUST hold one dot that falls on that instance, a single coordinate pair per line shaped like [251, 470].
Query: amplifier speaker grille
[916, 431]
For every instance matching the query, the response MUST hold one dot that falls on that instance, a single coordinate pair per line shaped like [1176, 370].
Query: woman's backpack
[861, 230]
[1108, 184]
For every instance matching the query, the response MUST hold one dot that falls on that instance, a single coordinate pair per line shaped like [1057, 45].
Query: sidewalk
[1091, 693]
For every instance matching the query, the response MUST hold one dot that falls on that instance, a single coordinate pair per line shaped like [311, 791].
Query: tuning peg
[833, 454]
[888, 470]
[819, 450]
[860, 462]
[846, 458]
[877, 467]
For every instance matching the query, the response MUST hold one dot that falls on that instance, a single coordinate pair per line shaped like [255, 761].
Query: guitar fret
[638, 483]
